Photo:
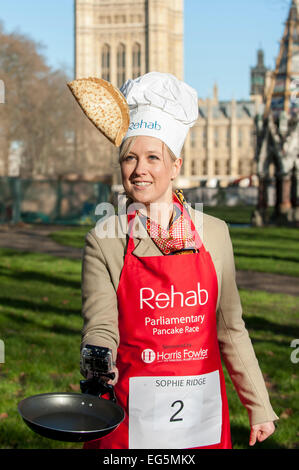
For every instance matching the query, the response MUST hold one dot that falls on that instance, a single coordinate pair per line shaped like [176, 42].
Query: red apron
[171, 383]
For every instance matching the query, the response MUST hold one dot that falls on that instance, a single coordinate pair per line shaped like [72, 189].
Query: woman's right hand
[114, 381]
[106, 379]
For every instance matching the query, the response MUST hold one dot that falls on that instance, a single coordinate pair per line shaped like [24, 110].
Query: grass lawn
[40, 324]
[232, 214]
[273, 322]
[265, 249]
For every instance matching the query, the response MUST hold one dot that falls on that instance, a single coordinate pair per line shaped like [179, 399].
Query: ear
[176, 167]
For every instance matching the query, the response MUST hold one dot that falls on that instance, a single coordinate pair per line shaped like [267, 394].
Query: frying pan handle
[98, 387]
[110, 390]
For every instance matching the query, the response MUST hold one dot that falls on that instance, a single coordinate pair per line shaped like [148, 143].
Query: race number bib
[175, 412]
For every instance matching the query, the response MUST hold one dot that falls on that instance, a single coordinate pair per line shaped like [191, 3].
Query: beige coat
[101, 268]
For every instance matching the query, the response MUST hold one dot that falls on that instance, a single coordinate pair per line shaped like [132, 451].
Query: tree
[38, 110]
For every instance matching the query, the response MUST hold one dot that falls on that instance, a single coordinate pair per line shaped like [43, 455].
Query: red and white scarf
[178, 238]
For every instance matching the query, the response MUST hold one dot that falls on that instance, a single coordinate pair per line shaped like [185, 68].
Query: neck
[160, 211]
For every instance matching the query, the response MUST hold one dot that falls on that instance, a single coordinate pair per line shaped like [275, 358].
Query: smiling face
[148, 170]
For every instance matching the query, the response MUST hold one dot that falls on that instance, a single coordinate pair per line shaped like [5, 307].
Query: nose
[140, 167]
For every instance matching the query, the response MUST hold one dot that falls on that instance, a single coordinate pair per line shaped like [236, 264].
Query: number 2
[177, 412]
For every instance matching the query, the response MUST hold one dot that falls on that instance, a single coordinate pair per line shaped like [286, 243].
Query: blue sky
[221, 37]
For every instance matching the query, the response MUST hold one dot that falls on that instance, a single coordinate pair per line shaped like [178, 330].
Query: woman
[166, 317]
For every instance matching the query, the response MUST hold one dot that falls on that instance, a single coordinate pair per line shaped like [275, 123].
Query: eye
[153, 157]
[128, 158]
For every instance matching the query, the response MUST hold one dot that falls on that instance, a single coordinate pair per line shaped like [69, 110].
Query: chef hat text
[161, 106]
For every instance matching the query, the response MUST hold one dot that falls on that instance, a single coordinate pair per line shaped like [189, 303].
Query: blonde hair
[129, 142]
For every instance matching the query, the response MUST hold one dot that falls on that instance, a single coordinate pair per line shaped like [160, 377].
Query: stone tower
[258, 75]
[116, 40]
[120, 39]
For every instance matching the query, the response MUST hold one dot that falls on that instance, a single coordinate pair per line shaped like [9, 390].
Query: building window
[204, 137]
[193, 168]
[205, 166]
[217, 167]
[240, 137]
[193, 138]
[216, 137]
[136, 18]
[227, 164]
[228, 136]
[121, 65]
[120, 19]
[106, 62]
[136, 60]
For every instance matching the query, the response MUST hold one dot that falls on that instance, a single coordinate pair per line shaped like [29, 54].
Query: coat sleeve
[99, 300]
[236, 347]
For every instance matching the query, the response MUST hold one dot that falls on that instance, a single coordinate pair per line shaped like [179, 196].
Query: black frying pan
[71, 417]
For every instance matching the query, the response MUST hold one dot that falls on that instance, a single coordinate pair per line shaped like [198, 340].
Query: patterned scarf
[177, 239]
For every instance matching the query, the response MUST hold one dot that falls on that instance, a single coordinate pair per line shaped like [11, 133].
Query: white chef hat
[161, 106]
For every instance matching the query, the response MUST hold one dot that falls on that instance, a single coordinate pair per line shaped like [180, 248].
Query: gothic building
[222, 142]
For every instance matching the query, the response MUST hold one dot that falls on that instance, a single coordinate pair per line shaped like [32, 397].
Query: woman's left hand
[260, 432]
